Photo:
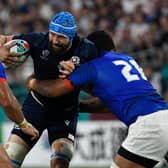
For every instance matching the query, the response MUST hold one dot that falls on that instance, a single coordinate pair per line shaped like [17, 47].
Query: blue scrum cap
[64, 24]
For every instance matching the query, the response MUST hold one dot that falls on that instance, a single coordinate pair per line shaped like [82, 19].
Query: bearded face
[58, 44]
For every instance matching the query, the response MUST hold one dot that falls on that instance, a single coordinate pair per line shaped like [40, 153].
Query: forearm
[13, 108]
[92, 105]
[41, 87]
[49, 88]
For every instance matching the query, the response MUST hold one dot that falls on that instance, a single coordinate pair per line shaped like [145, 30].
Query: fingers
[65, 72]
[62, 76]
[67, 67]
[35, 134]
[13, 54]
[32, 131]
[12, 61]
[6, 55]
[9, 45]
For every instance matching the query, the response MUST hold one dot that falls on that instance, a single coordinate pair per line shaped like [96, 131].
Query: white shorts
[148, 136]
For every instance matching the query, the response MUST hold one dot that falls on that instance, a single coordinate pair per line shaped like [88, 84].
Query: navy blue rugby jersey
[121, 84]
[46, 63]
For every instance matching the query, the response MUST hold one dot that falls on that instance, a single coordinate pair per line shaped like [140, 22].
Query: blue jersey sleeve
[85, 74]
[2, 73]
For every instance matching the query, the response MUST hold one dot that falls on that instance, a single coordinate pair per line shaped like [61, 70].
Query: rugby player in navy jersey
[57, 115]
[11, 106]
[122, 86]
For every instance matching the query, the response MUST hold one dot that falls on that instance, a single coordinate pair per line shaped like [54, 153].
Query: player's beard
[58, 49]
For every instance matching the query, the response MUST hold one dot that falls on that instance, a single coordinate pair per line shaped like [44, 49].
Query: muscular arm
[92, 105]
[10, 104]
[59, 87]
[50, 88]
[55, 88]
[83, 75]
[12, 109]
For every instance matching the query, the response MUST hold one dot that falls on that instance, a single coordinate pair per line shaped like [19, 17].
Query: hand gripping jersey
[121, 84]
[46, 67]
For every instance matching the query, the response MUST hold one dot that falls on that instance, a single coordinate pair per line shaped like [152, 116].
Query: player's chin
[57, 49]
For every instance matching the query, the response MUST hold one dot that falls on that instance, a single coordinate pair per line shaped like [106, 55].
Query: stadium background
[138, 27]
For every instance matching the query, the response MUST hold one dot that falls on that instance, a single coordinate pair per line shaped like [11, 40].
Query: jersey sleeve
[84, 75]
[2, 73]
[33, 38]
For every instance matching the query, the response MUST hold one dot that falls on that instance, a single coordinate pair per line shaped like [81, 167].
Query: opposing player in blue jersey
[11, 106]
[57, 115]
[121, 84]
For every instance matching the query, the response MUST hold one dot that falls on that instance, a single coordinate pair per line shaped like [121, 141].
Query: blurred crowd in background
[138, 27]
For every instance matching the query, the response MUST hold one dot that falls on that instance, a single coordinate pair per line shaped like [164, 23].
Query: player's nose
[55, 39]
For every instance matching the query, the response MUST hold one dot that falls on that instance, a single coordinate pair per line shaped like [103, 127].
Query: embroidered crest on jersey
[45, 54]
[75, 60]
